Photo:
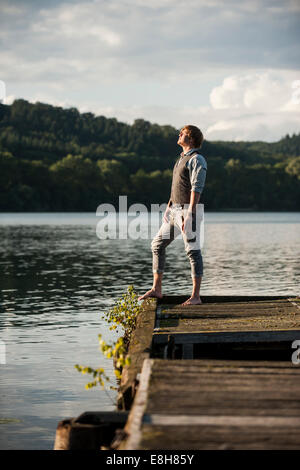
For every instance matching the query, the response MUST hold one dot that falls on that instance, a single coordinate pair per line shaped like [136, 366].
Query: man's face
[184, 140]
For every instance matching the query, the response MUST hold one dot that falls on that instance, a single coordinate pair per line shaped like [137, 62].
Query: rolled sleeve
[197, 170]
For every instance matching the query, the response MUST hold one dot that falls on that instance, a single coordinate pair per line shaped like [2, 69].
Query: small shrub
[123, 315]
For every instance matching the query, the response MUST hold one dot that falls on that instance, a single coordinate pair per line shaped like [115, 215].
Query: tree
[114, 176]
[293, 167]
[78, 182]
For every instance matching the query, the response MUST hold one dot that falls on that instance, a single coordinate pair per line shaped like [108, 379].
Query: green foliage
[293, 167]
[124, 315]
[55, 159]
[114, 175]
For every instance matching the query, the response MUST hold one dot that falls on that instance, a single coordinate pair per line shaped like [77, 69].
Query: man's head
[190, 136]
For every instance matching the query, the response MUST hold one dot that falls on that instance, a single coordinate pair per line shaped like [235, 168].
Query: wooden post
[89, 431]
[169, 352]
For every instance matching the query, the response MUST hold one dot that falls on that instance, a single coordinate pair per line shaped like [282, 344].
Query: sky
[230, 67]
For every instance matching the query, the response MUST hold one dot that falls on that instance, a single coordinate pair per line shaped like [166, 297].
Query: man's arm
[194, 200]
[197, 170]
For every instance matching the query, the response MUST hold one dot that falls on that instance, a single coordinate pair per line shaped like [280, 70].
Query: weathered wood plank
[178, 299]
[224, 387]
[228, 310]
[201, 325]
[228, 420]
[197, 404]
[133, 427]
[222, 337]
[139, 349]
[220, 438]
[233, 305]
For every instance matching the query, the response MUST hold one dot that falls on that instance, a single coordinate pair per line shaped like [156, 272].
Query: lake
[57, 277]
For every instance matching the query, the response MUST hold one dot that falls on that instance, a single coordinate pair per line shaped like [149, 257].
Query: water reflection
[57, 276]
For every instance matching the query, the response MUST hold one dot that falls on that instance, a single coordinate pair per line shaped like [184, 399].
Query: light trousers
[191, 237]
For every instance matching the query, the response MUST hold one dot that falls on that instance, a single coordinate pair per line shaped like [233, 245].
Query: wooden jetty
[213, 376]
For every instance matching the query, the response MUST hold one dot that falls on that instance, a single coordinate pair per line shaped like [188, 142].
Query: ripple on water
[58, 278]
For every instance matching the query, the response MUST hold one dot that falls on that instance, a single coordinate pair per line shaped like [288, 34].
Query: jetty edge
[212, 376]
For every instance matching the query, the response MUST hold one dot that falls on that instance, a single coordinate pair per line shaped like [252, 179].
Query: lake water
[57, 277]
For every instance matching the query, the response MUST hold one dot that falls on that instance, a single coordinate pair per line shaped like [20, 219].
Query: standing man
[182, 213]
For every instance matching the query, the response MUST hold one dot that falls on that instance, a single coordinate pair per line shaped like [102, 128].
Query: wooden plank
[133, 427]
[208, 420]
[235, 304]
[219, 438]
[139, 349]
[178, 299]
[230, 309]
[222, 337]
[197, 404]
[237, 365]
[211, 387]
[269, 315]
[202, 325]
[227, 312]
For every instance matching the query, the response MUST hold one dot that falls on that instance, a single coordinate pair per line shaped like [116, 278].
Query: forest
[56, 159]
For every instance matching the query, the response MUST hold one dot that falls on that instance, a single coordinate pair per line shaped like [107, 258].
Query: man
[182, 214]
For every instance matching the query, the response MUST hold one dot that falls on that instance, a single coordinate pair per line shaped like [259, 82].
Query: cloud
[265, 127]
[258, 91]
[75, 23]
[244, 107]
[9, 99]
[255, 106]
[2, 91]
[135, 38]
[226, 65]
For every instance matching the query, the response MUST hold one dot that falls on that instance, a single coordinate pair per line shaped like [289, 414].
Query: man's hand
[187, 222]
[166, 215]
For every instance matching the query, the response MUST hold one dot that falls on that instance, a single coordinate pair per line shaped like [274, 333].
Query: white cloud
[2, 91]
[255, 106]
[47, 98]
[11, 10]
[227, 95]
[264, 127]
[258, 91]
[9, 99]
[226, 66]
[138, 39]
[261, 118]
[77, 22]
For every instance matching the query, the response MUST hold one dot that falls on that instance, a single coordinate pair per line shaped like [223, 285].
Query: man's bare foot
[151, 293]
[192, 301]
